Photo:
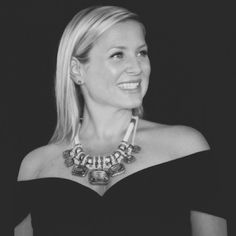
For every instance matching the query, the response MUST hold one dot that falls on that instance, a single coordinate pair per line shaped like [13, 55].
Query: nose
[134, 66]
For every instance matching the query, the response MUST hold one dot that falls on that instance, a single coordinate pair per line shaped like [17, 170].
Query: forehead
[122, 34]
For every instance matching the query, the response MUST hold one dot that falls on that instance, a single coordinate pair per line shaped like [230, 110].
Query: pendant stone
[116, 169]
[69, 161]
[129, 159]
[79, 170]
[98, 177]
[68, 158]
[136, 149]
[66, 153]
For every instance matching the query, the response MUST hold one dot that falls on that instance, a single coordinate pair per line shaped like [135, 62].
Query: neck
[104, 124]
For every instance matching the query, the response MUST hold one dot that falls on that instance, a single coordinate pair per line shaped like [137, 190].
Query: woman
[106, 170]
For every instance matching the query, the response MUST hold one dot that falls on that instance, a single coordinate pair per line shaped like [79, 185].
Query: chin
[133, 104]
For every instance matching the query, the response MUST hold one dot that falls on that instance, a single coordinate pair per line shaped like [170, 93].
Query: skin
[119, 56]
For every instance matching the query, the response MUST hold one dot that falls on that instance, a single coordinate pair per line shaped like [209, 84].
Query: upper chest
[155, 150]
[147, 157]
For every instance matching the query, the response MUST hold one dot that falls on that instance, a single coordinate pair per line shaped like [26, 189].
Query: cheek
[103, 76]
[148, 66]
[147, 70]
[112, 72]
[97, 73]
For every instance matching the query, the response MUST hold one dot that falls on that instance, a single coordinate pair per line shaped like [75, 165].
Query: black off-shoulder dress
[154, 201]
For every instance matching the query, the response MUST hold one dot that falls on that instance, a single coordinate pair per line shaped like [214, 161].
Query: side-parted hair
[77, 40]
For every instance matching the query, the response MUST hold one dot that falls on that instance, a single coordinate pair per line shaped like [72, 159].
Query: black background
[192, 52]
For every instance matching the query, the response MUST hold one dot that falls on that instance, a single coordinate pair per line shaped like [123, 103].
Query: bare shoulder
[186, 140]
[33, 161]
[177, 140]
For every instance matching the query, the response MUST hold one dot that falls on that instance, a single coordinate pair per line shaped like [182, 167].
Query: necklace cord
[132, 127]
[135, 129]
[129, 130]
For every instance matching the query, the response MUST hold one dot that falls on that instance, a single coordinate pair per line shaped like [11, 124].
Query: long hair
[77, 40]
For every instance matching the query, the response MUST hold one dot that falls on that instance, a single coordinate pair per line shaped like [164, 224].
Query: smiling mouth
[129, 85]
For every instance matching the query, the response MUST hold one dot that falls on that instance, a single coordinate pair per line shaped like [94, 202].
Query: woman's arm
[24, 228]
[204, 224]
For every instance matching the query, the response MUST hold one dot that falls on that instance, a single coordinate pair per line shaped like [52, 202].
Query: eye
[143, 53]
[117, 55]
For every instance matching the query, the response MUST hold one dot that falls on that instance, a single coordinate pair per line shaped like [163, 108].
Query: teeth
[129, 85]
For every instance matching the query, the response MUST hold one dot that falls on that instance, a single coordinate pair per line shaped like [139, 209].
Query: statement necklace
[101, 168]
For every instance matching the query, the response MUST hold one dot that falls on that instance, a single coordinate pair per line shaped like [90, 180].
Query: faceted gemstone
[130, 149]
[66, 153]
[78, 150]
[136, 149]
[129, 159]
[107, 162]
[116, 169]
[89, 165]
[116, 154]
[98, 177]
[90, 160]
[84, 161]
[76, 161]
[79, 170]
[107, 159]
[120, 159]
[81, 156]
[113, 157]
[107, 165]
[69, 161]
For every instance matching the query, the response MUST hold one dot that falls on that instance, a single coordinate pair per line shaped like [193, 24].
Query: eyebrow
[123, 47]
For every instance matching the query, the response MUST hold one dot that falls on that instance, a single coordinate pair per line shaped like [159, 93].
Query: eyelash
[117, 54]
[143, 53]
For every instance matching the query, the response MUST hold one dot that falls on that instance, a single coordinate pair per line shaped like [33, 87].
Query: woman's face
[118, 70]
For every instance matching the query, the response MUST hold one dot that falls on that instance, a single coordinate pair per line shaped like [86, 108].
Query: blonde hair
[77, 40]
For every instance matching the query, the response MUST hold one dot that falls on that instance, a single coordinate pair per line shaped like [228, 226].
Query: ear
[76, 71]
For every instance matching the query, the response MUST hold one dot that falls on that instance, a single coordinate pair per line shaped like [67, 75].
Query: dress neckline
[121, 181]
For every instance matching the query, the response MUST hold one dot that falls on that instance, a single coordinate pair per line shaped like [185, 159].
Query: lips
[129, 85]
